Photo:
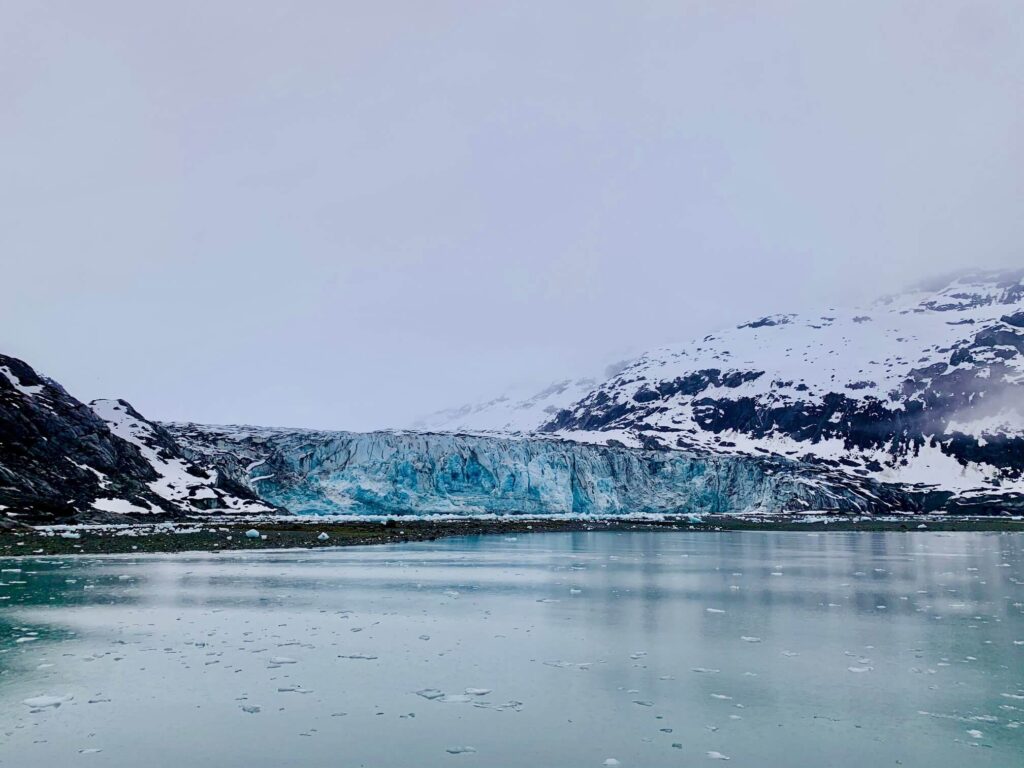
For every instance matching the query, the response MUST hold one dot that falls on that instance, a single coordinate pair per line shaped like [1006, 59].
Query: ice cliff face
[396, 473]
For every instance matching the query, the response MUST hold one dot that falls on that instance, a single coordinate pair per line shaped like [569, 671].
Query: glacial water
[560, 650]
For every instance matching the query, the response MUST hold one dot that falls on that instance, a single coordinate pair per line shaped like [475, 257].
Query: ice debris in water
[41, 702]
[251, 709]
[460, 750]
[430, 693]
[748, 639]
[611, 762]
[322, 537]
[718, 756]
[478, 691]
[252, 533]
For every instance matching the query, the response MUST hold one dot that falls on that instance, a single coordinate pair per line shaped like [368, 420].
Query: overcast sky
[346, 215]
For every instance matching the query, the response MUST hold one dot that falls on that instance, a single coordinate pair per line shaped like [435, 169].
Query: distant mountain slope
[61, 462]
[922, 388]
[519, 410]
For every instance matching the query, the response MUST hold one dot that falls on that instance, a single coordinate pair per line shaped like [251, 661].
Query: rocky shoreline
[217, 534]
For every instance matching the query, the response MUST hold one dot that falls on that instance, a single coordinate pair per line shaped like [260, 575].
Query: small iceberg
[42, 702]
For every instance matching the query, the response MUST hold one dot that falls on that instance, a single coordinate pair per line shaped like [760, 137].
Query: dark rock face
[57, 457]
[61, 462]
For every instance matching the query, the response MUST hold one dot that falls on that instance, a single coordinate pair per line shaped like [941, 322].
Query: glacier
[417, 473]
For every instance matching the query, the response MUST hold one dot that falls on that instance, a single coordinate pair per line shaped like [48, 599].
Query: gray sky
[349, 214]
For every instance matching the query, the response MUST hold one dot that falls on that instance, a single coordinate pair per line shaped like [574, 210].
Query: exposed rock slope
[61, 462]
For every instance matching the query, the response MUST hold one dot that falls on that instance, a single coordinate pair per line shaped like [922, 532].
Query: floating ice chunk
[860, 669]
[714, 610]
[252, 533]
[975, 734]
[278, 660]
[585, 665]
[611, 762]
[748, 639]
[430, 693]
[322, 537]
[721, 696]
[251, 709]
[705, 670]
[478, 691]
[41, 702]
[718, 756]
[359, 656]
[89, 751]
[643, 702]
[460, 750]
[455, 698]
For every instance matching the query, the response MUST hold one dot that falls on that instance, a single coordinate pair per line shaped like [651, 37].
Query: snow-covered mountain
[924, 388]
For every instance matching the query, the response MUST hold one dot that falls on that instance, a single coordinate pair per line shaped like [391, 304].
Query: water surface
[653, 649]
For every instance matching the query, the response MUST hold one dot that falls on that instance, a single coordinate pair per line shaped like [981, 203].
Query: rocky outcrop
[61, 462]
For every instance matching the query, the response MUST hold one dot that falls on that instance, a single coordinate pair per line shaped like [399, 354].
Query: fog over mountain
[345, 216]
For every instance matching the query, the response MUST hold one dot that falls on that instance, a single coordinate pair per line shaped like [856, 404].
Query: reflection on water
[653, 649]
